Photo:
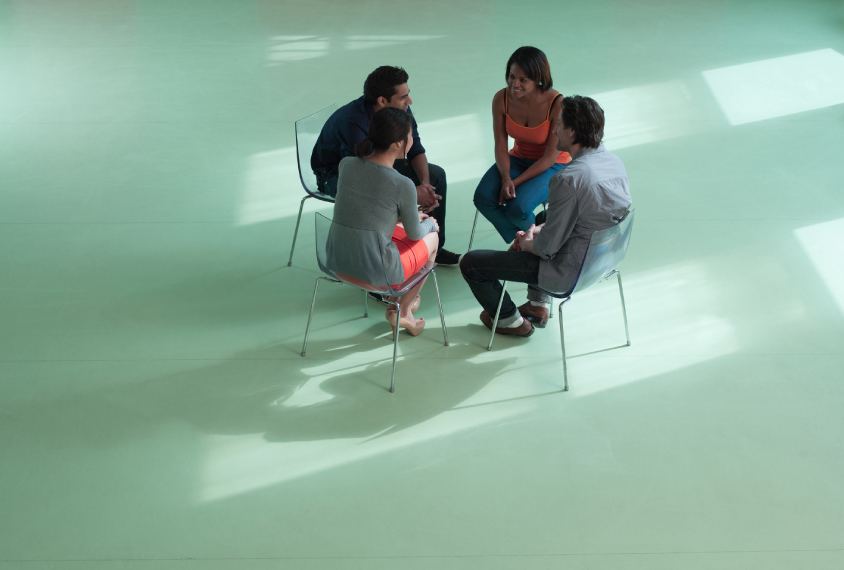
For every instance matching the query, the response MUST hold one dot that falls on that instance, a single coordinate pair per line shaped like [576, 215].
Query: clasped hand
[426, 197]
[524, 240]
[508, 191]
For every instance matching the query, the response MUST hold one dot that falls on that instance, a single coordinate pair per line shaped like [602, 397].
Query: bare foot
[413, 326]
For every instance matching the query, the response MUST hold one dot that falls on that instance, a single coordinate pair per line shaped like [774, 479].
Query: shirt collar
[586, 150]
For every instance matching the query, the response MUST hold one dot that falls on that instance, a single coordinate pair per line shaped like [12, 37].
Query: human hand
[508, 191]
[525, 239]
[423, 217]
[426, 197]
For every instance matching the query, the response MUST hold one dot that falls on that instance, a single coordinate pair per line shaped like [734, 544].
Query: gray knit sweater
[371, 196]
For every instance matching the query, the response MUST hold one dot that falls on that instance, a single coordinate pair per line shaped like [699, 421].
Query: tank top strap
[554, 100]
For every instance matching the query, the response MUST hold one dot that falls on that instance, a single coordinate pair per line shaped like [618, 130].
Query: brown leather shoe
[524, 330]
[537, 315]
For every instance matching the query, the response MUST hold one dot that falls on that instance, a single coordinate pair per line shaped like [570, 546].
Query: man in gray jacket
[590, 194]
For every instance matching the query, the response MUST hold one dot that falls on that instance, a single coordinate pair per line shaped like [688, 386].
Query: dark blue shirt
[346, 127]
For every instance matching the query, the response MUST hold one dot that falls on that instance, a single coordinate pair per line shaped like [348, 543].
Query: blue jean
[516, 214]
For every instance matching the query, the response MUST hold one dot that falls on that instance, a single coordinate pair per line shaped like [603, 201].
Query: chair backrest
[606, 251]
[356, 256]
[307, 133]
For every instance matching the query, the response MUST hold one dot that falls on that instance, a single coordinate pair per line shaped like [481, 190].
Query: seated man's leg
[438, 181]
[483, 270]
[327, 183]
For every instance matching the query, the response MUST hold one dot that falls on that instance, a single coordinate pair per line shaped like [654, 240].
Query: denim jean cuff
[538, 296]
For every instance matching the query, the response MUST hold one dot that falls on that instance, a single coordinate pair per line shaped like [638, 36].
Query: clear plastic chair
[355, 257]
[307, 133]
[605, 253]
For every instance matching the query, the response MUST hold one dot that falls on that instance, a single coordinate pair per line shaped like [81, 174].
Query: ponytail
[363, 148]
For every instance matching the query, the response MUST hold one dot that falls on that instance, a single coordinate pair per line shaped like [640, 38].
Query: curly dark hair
[586, 118]
[387, 126]
[382, 83]
[535, 65]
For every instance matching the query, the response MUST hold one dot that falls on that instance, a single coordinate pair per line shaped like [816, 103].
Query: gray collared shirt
[591, 193]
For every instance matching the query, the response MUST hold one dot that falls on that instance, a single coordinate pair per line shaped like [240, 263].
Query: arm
[551, 153]
[563, 211]
[410, 217]
[502, 156]
[350, 134]
[420, 167]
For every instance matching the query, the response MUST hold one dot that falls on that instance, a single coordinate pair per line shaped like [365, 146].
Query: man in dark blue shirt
[348, 125]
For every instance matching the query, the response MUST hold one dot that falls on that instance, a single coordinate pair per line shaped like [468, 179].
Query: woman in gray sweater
[372, 195]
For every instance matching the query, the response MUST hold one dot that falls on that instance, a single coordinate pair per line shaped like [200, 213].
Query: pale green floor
[155, 411]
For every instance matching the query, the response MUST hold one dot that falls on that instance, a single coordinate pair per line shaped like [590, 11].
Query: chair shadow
[250, 393]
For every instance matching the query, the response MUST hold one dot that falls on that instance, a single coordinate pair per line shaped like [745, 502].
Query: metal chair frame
[566, 297]
[405, 287]
[311, 193]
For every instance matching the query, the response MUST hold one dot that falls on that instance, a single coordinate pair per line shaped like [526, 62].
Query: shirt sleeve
[350, 134]
[563, 212]
[417, 147]
[410, 215]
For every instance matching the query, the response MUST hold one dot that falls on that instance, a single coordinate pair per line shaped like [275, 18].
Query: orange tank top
[530, 142]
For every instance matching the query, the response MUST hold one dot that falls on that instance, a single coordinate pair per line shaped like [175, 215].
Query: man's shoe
[524, 330]
[537, 315]
[447, 258]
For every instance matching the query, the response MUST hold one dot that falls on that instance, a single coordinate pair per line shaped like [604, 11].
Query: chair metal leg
[497, 312]
[623, 308]
[296, 231]
[310, 316]
[472, 237]
[366, 304]
[442, 317]
[563, 346]
[395, 344]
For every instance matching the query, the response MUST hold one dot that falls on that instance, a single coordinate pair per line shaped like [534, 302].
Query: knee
[467, 264]
[517, 212]
[486, 195]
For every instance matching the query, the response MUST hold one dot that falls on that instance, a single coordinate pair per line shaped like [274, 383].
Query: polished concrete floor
[155, 411]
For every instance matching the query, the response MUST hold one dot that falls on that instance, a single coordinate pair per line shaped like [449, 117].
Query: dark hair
[382, 83]
[586, 118]
[535, 65]
[386, 127]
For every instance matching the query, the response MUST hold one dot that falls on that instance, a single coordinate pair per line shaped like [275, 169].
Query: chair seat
[396, 289]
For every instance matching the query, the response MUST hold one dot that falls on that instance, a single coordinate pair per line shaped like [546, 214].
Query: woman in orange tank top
[526, 111]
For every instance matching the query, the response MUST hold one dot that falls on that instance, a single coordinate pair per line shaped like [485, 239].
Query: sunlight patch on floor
[778, 87]
[649, 113]
[263, 198]
[824, 244]
[242, 463]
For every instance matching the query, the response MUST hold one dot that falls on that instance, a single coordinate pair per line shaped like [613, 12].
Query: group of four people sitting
[370, 158]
